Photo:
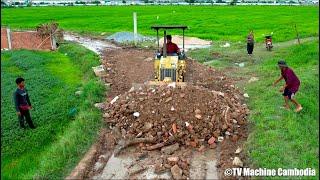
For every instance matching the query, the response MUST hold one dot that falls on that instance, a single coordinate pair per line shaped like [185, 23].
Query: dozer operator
[169, 62]
[172, 48]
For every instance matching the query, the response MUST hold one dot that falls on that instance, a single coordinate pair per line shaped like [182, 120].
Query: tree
[123, 1]
[190, 1]
[233, 2]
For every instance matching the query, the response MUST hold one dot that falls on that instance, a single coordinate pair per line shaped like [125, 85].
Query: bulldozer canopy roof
[157, 27]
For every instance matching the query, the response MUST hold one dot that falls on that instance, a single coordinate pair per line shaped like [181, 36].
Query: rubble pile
[191, 115]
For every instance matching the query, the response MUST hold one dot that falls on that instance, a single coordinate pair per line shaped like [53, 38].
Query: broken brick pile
[182, 116]
[189, 115]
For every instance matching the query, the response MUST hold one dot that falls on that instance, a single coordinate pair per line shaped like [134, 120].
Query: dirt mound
[175, 121]
[127, 66]
[162, 117]
[164, 113]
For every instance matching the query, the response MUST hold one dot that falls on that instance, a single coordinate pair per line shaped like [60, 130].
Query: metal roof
[157, 27]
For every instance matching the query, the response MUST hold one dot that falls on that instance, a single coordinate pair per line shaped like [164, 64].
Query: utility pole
[135, 29]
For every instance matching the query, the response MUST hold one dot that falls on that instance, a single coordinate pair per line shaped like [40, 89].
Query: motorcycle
[268, 42]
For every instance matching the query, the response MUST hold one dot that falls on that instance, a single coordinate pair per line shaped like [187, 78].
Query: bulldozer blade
[161, 83]
[158, 83]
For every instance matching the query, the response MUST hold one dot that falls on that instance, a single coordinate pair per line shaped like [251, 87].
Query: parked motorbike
[268, 41]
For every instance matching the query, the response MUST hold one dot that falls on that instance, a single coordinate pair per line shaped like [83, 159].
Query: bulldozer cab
[169, 67]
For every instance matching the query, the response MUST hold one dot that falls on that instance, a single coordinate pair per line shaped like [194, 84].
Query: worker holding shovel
[291, 86]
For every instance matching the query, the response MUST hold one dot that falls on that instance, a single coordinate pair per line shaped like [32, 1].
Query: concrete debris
[99, 105]
[136, 114]
[176, 172]
[253, 79]
[238, 151]
[78, 93]
[114, 99]
[237, 162]
[170, 149]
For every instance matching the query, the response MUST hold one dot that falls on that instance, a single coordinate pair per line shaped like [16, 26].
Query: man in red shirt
[291, 86]
[172, 48]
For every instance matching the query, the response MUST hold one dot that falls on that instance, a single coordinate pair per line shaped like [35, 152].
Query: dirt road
[211, 104]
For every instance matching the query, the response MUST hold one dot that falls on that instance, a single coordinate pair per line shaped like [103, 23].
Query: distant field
[230, 23]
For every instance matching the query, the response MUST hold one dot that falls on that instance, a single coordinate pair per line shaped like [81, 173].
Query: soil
[125, 67]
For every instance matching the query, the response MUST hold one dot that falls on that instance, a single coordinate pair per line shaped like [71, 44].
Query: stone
[237, 162]
[168, 166]
[173, 159]
[176, 172]
[114, 99]
[106, 115]
[131, 89]
[234, 138]
[139, 135]
[148, 59]
[198, 116]
[168, 99]
[211, 140]
[98, 166]
[213, 146]
[135, 169]
[174, 128]
[99, 105]
[238, 151]
[201, 148]
[197, 111]
[192, 144]
[78, 93]
[170, 149]
[136, 114]
[253, 79]
[147, 126]
[159, 168]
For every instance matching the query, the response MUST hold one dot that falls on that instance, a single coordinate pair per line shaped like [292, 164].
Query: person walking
[291, 86]
[250, 43]
[22, 104]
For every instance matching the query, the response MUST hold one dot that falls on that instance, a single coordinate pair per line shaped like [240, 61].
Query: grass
[283, 138]
[60, 140]
[278, 138]
[228, 23]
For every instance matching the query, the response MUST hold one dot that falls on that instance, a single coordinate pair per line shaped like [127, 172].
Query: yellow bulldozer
[169, 67]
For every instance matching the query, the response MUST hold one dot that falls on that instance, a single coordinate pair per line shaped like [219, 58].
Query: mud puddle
[97, 46]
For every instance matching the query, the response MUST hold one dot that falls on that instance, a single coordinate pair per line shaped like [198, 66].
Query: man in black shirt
[22, 104]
